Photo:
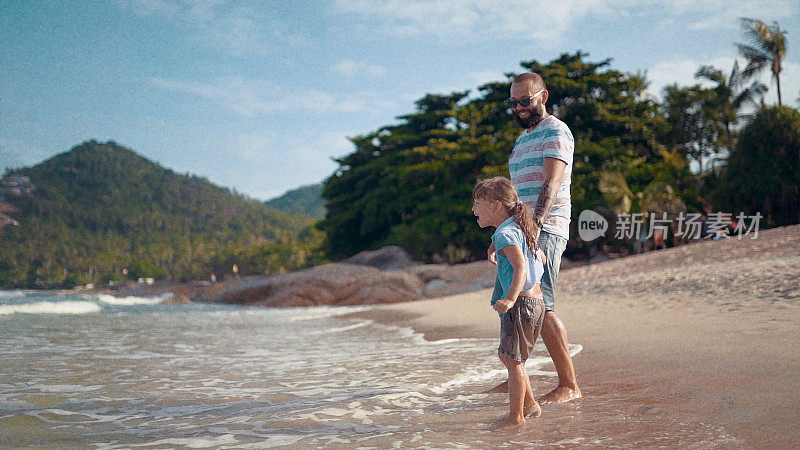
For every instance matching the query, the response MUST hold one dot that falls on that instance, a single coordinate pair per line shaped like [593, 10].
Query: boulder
[443, 279]
[389, 287]
[329, 284]
[387, 258]
[351, 284]
[176, 299]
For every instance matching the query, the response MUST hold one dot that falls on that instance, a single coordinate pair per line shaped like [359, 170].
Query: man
[541, 170]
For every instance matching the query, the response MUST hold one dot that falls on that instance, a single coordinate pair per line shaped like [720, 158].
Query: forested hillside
[98, 209]
[303, 200]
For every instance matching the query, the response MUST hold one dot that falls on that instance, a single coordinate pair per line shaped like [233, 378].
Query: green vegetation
[763, 171]
[101, 208]
[305, 200]
[410, 184]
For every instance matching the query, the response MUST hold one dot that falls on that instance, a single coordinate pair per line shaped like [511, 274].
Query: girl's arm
[497, 294]
[517, 260]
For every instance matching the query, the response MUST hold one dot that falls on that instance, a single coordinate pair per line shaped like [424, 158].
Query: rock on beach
[388, 275]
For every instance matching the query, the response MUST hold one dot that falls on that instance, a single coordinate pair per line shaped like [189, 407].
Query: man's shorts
[520, 327]
[553, 246]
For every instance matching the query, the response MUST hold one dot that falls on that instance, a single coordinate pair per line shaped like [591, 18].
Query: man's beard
[532, 120]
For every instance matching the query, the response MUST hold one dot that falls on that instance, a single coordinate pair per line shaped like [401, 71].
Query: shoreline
[698, 340]
[687, 347]
[438, 280]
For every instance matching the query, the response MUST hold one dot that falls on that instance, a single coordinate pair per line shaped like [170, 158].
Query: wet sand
[691, 346]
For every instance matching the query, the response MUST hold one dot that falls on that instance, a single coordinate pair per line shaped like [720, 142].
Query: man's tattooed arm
[547, 197]
[553, 174]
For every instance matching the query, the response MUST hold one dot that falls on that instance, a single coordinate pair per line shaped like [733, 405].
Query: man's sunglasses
[525, 102]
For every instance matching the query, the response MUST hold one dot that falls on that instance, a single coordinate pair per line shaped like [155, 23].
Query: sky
[261, 96]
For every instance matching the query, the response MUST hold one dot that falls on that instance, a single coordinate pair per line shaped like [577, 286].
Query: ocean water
[103, 372]
[95, 371]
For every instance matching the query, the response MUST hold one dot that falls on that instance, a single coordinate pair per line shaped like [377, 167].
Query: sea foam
[68, 307]
[11, 294]
[129, 301]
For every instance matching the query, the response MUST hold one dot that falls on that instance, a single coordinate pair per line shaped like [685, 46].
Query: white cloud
[237, 32]
[164, 8]
[255, 148]
[477, 79]
[351, 68]
[722, 14]
[544, 20]
[256, 97]
[302, 151]
[790, 86]
[682, 72]
[548, 21]
[247, 97]
[485, 76]
[287, 162]
[470, 81]
[222, 25]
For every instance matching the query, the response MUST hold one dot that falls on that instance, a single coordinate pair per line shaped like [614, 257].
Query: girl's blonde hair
[501, 190]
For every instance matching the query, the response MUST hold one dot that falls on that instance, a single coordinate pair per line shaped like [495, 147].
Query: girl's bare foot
[501, 388]
[532, 411]
[508, 422]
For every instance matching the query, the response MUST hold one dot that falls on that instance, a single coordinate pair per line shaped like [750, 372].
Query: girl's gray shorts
[520, 327]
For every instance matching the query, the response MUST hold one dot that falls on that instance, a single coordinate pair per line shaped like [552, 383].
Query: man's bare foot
[501, 388]
[508, 422]
[533, 411]
[561, 394]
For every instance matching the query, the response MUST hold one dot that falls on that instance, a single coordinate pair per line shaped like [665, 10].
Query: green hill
[88, 214]
[305, 200]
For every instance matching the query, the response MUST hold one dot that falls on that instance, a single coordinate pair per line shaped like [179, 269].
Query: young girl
[520, 268]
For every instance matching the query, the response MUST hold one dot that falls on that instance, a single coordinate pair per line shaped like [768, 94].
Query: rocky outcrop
[16, 185]
[330, 284]
[374, 280]
[387, 258]
[443, 279]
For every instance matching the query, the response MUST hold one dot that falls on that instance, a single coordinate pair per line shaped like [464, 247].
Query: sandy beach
[690, 346]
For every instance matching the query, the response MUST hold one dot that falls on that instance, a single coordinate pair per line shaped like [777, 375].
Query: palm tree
[729, 96]
[767, 48]
[657, 197]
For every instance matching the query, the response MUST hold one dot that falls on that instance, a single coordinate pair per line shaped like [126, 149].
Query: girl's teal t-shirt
[509, 233]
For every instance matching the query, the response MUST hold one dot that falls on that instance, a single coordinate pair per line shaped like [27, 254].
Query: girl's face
[487, 212]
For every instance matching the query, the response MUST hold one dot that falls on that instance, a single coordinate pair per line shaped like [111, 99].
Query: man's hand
[491, 255]
[537, 231]
[502, 306]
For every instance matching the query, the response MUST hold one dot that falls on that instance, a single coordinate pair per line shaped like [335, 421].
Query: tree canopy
[763, 172]
[410, 184]
[306, 200]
